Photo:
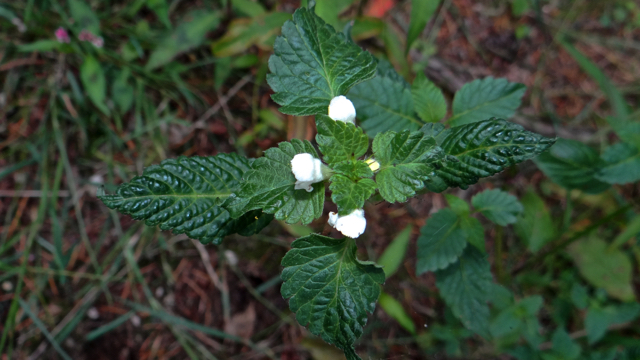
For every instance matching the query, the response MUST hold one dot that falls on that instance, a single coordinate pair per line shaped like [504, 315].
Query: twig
[200, 123]
[206, 260]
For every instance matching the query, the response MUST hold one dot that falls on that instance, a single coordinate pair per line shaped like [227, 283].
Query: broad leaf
[534, 225]
[486, 98]
[465, 286]
[269, 186]
[520, 318]
[622, 164]
[186, 195]
[573, 165]
[610, 269]
[242, 33]
[190, 33]
[312, 63]
[441, 241]
[458, 205]
[474, 231]
[498, 206]
[485, 148]
[355, 169]
[428, 99]
[384, 103]
[340, 141]
[405, 163]
[564, 346]
[329, 289]
[599, 319]
[94, 82]
[349, 194]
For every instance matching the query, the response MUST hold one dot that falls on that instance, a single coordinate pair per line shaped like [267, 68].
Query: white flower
[351, 225]
[307, 170]
[373, 164]
[341, 109]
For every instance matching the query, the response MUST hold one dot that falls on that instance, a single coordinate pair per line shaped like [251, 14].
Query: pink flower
[86, 35]
[62, 35]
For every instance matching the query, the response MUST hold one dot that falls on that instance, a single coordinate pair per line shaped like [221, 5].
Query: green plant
[329, 289]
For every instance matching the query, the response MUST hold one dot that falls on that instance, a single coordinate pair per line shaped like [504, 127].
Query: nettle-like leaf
[340, 141]
[486, 98]
[465, 286]
[573, 165]
[312, 63]
[485, 148]
[405, 163]
[622, 164]
[186, 195]
[428, 99]
[498, 206]
[355, 169]
[385, 102]
[269, 186]
[349, 194]
[441, 241]
[329, 289]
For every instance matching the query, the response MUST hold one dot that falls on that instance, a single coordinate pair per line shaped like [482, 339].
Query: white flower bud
[307, 170]
[373, 164]
[341, 109]
[351, 225]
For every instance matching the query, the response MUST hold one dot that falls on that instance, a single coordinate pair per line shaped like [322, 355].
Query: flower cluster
[309, 170]
[62, 35]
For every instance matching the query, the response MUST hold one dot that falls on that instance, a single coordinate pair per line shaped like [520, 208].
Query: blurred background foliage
[135, 82]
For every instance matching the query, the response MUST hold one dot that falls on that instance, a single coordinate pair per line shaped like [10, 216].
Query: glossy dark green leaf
[329, 289]
[405, 163]
[534, 225]
[441, 241]
[269, 186]
[340, 141]
[486, 98]
[384, 103]
[312, 63]
[428, 99]
[573, 165]
[485, 148]
[621, 164]
[186, 195]
[189, 34]
[498, 206]
[350, 195]
[464, 286]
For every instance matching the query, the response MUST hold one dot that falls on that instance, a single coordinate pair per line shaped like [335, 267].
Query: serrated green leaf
[464, 287]
[573, 165]
[340, 141]
[599, 319]
[269, 186]
[474, 232]
[564, 346]
[329, 289]
[355, 169]
[384, 103]
[534, 225]
[486, 148]
[190, 33]
[186, 195]
[498, 206]
[622, 164]
[405, 163]
[428, 100]
[486, 98]
[350, 195]
[519, 318]
[94, 82]
[393, 255]
[421, 13]
[441, 241]
[84, 17]
[394, 309]
[312, 63]
[610, 269]
[458, 205]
